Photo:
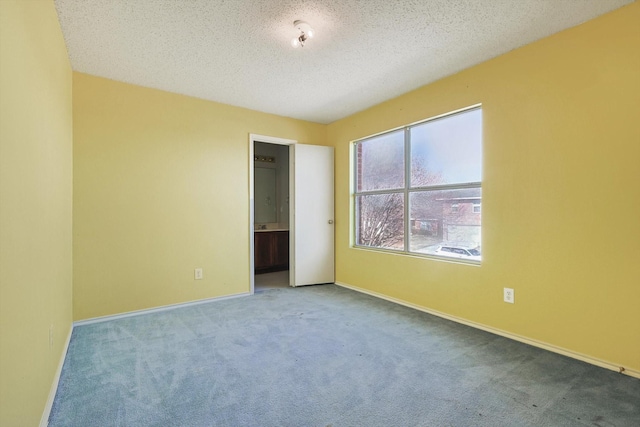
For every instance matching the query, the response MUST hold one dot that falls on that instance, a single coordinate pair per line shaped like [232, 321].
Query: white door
[312, 247]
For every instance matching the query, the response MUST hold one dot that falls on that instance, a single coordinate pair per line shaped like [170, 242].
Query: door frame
[253, 138]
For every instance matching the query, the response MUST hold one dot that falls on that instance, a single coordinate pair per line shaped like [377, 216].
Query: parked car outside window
[459, 252]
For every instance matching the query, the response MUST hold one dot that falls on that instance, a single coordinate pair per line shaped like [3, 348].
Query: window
[418, 189]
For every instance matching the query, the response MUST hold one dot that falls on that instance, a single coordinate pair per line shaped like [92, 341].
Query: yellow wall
[161, 186]
[35, 206]
[561, 193]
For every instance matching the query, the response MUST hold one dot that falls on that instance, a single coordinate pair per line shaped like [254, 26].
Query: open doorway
[309, 224]
[271, 174]
[273, 163]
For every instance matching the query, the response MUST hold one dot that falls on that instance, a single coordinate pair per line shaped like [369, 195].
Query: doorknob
[330, 221]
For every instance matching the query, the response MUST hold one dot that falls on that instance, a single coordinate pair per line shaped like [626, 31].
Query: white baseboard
[156, 309]
[535, 343]
[44, 421]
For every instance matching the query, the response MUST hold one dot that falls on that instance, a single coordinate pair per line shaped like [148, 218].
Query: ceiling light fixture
[305, 32]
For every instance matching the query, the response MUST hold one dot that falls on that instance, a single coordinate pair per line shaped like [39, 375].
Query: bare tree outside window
[381, 220]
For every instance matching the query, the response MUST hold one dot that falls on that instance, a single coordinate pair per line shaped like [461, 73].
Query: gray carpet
[324, 356]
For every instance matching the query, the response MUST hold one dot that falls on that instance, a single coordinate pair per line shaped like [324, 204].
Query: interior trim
[253, 138]
[44, 421]
[156, 309]
[516, 337]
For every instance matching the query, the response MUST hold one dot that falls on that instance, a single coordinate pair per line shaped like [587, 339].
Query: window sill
[418, 255]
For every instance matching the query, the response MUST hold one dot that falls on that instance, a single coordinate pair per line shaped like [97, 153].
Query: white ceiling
[238, 52]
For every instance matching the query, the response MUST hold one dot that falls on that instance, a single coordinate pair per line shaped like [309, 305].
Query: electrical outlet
[509, 295]
[51, 336]
[198, 274]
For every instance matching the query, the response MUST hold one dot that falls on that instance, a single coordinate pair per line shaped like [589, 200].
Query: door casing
[253, 138]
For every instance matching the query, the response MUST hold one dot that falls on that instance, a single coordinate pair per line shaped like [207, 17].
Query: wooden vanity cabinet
[271, 251]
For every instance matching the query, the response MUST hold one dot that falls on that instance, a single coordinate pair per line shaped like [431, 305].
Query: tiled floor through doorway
[279, 279]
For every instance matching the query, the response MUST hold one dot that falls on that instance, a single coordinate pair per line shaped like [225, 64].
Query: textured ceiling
[238, 52]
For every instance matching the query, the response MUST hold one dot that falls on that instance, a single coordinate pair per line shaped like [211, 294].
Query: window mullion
[354, 205]
[448, 186]
[379, 192]
[407, 185]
